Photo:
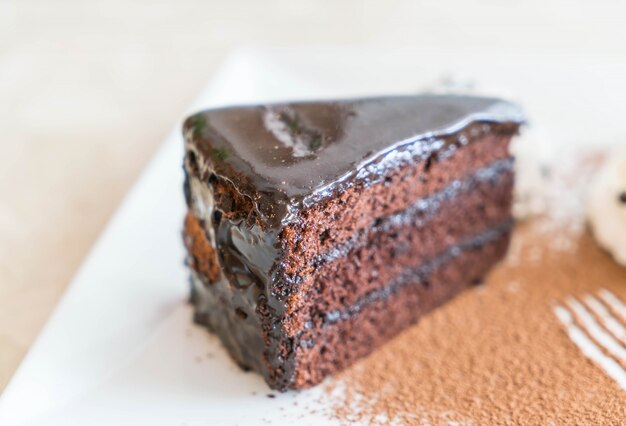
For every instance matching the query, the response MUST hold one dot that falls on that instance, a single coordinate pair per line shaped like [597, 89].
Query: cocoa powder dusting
[497, 354]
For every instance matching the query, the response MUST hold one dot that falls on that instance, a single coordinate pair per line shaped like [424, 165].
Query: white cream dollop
[606, 208]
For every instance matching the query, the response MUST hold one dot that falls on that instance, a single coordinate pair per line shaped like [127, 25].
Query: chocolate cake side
[317, 231]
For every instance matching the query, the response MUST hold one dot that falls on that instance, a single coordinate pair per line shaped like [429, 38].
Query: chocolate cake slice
[317, 231]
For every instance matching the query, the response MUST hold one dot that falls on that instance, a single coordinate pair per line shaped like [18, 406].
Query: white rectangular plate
[120, 347]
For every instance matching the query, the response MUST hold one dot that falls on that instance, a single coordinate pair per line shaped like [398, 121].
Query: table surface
[88, 90]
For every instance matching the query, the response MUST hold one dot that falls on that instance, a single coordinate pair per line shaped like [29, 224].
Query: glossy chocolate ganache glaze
[252, 170]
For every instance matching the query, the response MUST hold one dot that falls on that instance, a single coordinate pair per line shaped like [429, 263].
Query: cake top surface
[283, 154]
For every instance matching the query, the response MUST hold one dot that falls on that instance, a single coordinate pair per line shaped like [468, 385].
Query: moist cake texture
[316, 231]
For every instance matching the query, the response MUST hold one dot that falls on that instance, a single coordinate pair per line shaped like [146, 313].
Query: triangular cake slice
[317, 231]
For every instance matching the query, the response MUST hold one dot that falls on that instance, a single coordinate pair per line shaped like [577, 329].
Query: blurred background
[89, 89]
